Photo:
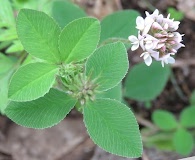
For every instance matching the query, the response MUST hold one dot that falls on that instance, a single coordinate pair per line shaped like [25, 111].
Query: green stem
[149, 5]
[177, 88]
[110, 40]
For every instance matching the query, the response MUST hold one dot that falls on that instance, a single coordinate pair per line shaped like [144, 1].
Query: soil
[69, 140]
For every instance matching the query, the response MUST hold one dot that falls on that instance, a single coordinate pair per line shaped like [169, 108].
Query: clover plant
[174, 134]
[180, 137]
[76, 61]
[72, 72]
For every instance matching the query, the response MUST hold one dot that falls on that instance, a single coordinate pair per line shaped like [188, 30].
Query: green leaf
[43, 5]
[177, 15]
[6, 70]
[108, 64]
[162, 140]
[30, 59]
[6, 64]
[32, 81]
[15, 47]
[4, 82]
[8, 35]
[183, 142]
[164, 120]
[113, 93]
[6, 13]
[148, 104]
[43, 112]
[187, 117]
[4, 44]
[120, 24]
[113, 127]
[79, 39]
[146, 83]
[64, 12]
[39, 34]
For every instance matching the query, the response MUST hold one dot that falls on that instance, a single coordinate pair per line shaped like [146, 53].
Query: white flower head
[158, 38]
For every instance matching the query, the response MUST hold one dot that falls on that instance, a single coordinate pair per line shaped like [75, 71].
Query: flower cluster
[157, 37]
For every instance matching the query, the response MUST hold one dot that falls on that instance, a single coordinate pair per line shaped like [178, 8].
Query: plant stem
[146, 123]
[177, 88]
[149, 5]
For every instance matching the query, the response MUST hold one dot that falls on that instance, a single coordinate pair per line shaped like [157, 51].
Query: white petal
[132, 38]
[148, 60]
[154, 54]
[147, 25]
[166, 26]
[177, 37]
[143, 54]
[155, 42]
[182, 45]
[174, 51]
[160, 45]
[160, 18]
[162, 63]
[168, 16]
[140, 23]
[146, 29]
[149, 45]
[156, 12]
[174, 25]
[142, 44]
[147, 14]
[170, 35]
[166, 60]
[156, 25]
[177, 46]
[146, 55]
[135, 46]
[171, 60]
[148, 21]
